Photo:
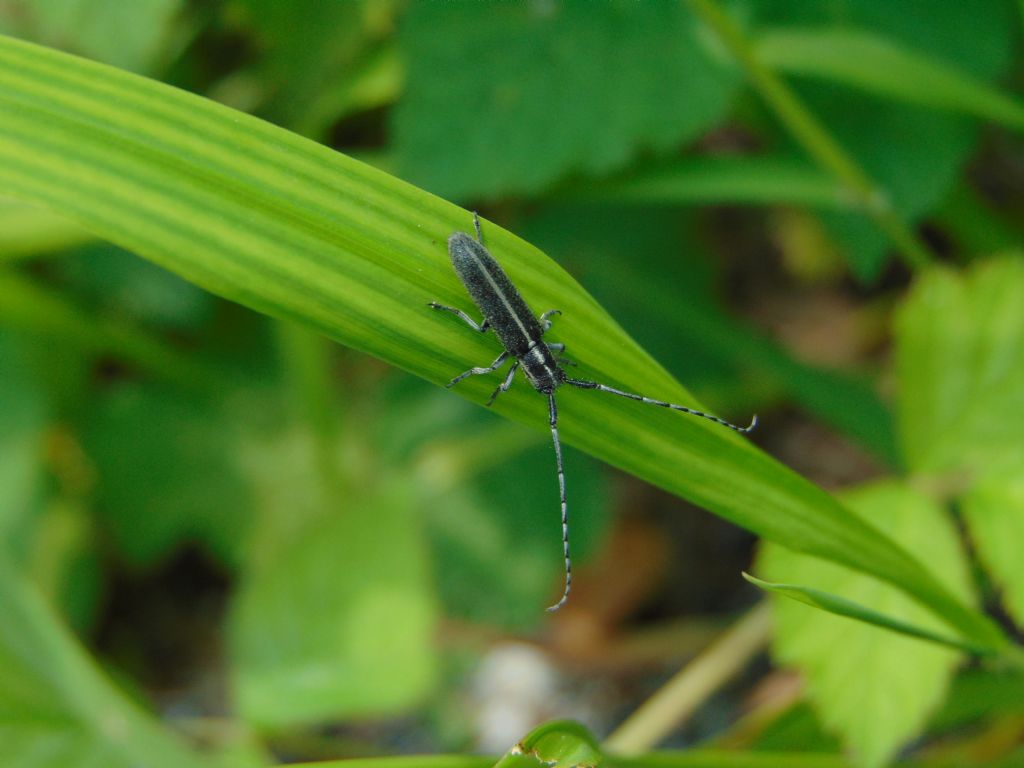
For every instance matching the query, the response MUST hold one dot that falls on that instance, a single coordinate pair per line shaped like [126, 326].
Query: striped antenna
[561, 495]
[605, 388]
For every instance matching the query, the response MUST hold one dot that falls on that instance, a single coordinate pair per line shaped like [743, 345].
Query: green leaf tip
[840, 606]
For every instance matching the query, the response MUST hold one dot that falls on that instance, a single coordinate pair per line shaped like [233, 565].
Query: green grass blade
[842, 607]
[878, 65]
[288, 227]
[747, 179]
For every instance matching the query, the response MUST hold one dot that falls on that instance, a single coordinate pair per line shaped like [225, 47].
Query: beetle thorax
[541, 369]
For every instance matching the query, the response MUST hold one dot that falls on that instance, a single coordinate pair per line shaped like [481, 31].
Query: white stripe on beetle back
[499, 293]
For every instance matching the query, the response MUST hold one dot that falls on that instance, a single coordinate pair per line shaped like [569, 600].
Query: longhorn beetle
[522, 336]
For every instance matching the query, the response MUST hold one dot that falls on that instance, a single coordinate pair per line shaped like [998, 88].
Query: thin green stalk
[813, 136]
[680, 697]
[306, 359]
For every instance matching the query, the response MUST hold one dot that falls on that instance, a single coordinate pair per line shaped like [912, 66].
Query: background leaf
[959, 362]
[903, 678]
[993, 509]
[554, 90]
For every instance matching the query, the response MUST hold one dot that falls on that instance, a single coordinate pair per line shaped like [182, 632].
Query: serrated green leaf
[849, 663]
[880, 65]
[294, 230]
[338, 620]
[993, 509]
[551, 90]
[56, 709]
[959, 364]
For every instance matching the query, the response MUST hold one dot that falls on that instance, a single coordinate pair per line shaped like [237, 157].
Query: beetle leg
[545, 322]
[478, 327]
[479, 371]
[503, 387]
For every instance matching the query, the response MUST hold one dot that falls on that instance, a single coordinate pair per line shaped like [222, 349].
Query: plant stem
[813, 136]
[306, 360]
[681, 696]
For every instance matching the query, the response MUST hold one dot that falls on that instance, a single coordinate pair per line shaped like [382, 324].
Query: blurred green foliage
[355, 513]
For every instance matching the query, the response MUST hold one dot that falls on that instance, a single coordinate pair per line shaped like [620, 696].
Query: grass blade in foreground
[288, 227]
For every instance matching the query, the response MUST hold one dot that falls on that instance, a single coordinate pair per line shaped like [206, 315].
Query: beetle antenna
[553, 410]
[479, 234]
[605, 388]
